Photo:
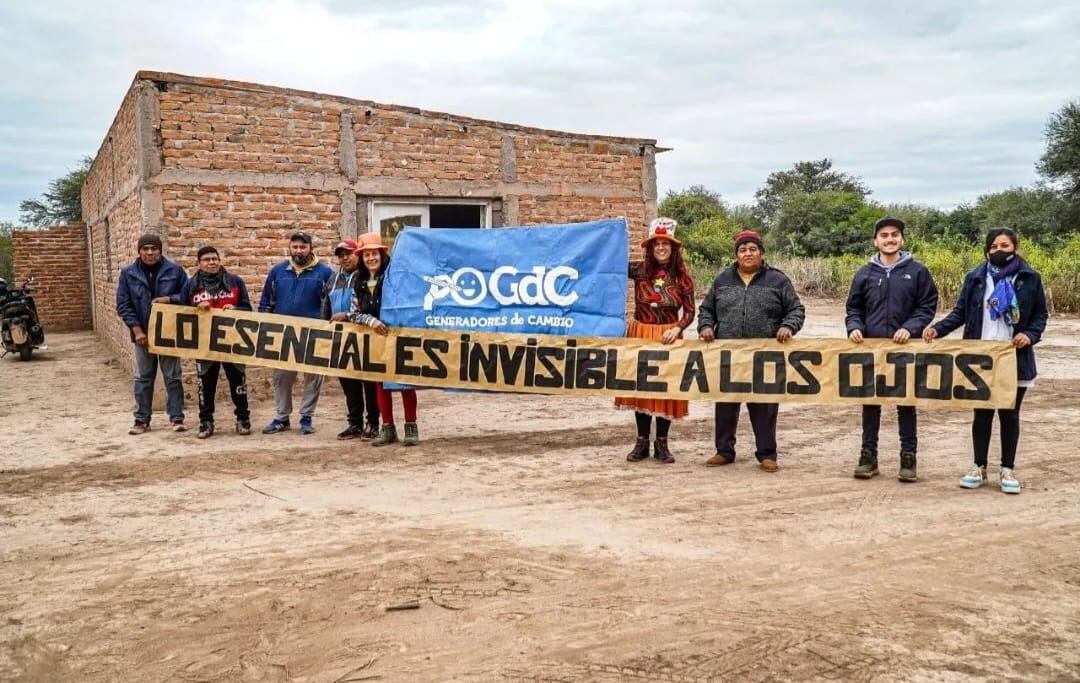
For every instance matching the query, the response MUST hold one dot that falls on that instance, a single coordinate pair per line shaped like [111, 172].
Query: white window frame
[404, 202]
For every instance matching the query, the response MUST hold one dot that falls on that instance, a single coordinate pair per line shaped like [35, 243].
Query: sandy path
[536, 551]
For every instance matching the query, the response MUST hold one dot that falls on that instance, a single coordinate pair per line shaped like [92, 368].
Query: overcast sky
[933, 102]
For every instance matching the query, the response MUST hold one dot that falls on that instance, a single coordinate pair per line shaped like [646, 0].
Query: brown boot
[641, 450]
[718, 460]
[661, 452]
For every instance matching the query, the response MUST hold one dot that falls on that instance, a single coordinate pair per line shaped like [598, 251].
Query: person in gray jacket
[750, 300]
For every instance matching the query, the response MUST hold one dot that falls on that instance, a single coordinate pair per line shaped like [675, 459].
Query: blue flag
[559, 279]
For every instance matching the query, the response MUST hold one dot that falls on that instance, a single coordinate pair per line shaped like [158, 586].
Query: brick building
[200, 160]
[58, 260]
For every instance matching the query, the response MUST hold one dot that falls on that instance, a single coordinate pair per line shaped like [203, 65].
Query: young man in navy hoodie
[892, 297]
[213, 287]
[295, 287]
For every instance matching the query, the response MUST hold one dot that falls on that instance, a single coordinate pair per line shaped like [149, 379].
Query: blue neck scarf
[1002, 302]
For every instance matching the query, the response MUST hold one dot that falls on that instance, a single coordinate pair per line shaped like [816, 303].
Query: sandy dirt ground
[536, 552]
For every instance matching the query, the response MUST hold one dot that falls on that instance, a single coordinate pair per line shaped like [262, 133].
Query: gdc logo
[506, 284]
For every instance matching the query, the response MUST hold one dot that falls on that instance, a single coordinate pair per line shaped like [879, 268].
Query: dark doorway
[457, 215]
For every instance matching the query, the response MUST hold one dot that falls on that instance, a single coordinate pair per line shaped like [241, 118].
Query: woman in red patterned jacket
[663, 307]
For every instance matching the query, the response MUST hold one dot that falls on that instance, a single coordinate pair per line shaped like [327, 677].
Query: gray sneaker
[867, 467]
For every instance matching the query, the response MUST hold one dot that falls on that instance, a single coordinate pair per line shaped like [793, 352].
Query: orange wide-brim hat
[371, 241]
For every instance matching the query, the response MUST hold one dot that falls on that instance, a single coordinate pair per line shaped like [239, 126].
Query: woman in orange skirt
[663, 307]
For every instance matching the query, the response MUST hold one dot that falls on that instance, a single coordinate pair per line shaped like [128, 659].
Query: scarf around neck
[213, 284]
[1003, 302]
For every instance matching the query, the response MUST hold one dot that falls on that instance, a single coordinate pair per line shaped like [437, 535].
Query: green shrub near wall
[830, 277]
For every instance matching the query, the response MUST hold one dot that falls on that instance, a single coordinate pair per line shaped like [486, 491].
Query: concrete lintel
[347, 147]
[348, 213]
[391, 187]
[307, 181]
[508, 160]
[404, 187]
[648, 173]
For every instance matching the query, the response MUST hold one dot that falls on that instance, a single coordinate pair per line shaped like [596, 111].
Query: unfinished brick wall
[239, 165]
[58, 260]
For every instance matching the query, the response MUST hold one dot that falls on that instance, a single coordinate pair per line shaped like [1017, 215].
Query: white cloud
[935, 104]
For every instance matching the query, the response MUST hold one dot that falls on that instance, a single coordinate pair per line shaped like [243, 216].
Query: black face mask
[1000, 259]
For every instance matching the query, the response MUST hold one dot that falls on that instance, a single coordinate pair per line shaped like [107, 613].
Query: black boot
[641, 449]
[661, 452]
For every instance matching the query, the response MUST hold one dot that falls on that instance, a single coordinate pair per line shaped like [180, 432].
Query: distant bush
[948, 262]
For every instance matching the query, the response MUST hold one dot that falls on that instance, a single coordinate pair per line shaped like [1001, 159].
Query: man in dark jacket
[750, 300]
[337, 305]
[149, 277]
[212, 287]
[295, 287]
[892, 297]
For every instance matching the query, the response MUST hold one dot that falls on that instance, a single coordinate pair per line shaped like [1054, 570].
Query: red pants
[386, 404]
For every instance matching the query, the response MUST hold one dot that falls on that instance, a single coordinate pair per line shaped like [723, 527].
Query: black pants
[358, 393]
[644, 425]
[909, 428]
[762, 419]
[1008, 420]
[208, 377]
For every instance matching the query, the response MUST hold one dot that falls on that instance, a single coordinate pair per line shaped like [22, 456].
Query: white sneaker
[974, 478]
[1008, 482]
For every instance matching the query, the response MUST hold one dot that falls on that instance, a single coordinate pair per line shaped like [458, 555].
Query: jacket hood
[875, 260]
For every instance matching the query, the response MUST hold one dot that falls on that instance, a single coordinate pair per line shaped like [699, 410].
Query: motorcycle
[20, 329]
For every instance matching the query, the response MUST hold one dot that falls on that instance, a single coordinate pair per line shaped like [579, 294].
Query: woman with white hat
[663, 308]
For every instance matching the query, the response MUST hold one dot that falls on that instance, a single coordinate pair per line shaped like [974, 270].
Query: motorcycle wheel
[24, 352]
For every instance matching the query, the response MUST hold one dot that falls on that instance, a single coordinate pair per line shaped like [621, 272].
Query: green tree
[691, 205]
[61, 203]
[1061, 160]
[744, 215]
[805, 178]
[824, 223]
[712, 240]
[6, 266]
[960, 224]
[1038, 213]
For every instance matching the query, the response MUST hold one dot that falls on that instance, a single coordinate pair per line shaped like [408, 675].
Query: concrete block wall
[239, 165]
[58, 260]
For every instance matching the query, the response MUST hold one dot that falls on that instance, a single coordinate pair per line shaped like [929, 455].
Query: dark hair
[994, 233]
[675, 266]
[203, 251]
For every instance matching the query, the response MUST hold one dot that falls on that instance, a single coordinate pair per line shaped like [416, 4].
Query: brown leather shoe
[718, 460]
[769, 465]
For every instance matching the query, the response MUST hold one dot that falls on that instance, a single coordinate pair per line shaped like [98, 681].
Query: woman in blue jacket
[1001, 299]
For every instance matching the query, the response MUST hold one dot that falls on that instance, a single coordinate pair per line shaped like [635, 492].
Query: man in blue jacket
[295, 287]
[892, 297]
[150, 276]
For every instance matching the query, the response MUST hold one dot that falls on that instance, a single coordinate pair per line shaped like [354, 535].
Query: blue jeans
[146, 366]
